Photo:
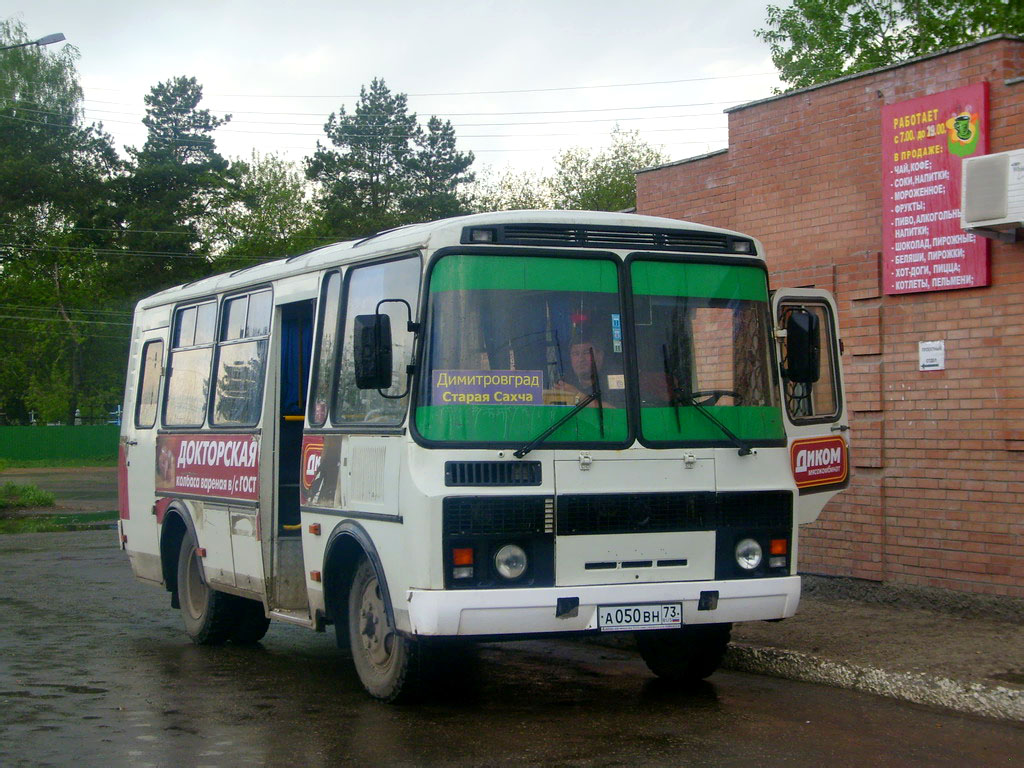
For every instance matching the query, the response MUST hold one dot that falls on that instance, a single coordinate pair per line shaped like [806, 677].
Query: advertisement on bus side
[204, 464]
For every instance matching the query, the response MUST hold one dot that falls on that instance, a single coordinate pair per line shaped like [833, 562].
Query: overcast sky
[568, 69]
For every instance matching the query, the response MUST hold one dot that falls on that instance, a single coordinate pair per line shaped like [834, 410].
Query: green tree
[383, 169]
[510, 191]
[173, 185]
[582, 179]
[59, 353]
[814, 41]
[440, 172]
[602, 181]
[269, 214]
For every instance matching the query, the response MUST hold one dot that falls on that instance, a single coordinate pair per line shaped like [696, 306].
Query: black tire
[387, 662]
[684, 655]
[251, 624]
[210, 616]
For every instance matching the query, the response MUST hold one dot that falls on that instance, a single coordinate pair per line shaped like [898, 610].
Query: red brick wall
[937, 496]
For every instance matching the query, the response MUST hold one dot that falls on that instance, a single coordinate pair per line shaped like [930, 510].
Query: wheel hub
[376, 637]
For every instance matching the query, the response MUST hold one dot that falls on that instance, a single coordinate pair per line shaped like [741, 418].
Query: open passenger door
[807, 334]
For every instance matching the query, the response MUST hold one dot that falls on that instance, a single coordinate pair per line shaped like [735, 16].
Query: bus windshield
[516, 341]
[703, 349]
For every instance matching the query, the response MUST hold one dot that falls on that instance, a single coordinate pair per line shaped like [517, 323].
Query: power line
[130, 231]
[8, 329]
[460, 114]
[471, 93]
[60, 320]
[115, 229]
[40, 307]
[370, 138]
[323, 113]
[465, 125]
[115, 252]
[373, 136]
[475, 150]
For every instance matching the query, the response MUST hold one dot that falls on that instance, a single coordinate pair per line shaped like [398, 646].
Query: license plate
[618, 618]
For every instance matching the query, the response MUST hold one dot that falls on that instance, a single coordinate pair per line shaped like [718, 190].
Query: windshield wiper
[595, 394]
[690, 398]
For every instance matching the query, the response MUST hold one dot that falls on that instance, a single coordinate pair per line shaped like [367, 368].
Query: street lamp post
[48, 40]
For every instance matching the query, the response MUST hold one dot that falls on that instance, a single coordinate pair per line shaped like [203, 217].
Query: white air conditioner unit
[992, 195]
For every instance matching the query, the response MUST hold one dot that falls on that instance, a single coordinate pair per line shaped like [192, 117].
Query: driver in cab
[587, 362]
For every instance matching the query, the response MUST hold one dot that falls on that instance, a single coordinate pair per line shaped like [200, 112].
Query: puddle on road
[28, 693]
[1017, 678]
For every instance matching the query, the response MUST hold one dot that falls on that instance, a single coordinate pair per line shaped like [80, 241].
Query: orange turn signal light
[462, 556]
[778, 546]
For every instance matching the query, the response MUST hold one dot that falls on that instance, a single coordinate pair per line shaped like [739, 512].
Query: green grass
[14, 496]
[54, 523]
[107, 461]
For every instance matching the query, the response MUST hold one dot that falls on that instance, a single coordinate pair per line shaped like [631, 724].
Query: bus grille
[758, 509]
[465, 473]
[497, 515]
[580, 514]
[641, 238]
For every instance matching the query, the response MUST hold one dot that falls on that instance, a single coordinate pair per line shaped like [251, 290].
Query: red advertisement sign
[312, 452]
[204, 464]
[318, 474]
[819, 461]
[924, 142]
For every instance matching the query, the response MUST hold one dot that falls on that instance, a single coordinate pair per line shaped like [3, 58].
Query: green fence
[59, 443]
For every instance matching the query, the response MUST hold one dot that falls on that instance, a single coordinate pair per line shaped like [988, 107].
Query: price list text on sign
[924, 142]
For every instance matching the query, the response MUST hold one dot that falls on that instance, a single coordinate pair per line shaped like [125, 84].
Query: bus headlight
[510, 561]
[749, 554]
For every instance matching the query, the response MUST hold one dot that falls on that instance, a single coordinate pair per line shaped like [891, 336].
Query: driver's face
[579, 355]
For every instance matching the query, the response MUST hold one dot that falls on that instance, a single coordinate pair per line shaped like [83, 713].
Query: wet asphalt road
[95, 669]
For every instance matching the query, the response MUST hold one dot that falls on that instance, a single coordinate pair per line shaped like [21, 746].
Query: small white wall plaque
[931, 355]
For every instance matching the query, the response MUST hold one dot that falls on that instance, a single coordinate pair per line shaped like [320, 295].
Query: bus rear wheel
[210, 616]
[684, 655]
[386, 661]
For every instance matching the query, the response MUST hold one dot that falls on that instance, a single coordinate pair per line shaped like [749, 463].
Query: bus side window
[365, 287]
[326, 347]
[149, 384]
[188, 377]
[241, 360]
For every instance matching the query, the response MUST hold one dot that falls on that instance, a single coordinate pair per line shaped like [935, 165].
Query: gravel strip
[973, 698]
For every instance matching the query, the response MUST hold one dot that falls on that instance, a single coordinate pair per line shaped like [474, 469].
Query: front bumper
[527, 611]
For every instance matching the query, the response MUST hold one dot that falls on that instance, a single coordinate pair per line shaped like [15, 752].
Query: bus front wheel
[251, 623]
[209, 615]
[684, 655]
[386, 661]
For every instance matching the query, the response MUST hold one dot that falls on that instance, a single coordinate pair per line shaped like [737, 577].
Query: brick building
[937, 494]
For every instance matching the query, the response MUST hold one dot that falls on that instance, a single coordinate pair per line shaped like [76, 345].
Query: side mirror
[803, 347]
[372, 351]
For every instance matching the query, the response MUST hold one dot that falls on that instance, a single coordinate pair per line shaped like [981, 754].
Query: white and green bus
[506, 425]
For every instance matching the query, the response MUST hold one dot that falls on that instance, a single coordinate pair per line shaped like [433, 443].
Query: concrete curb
[973, 698]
